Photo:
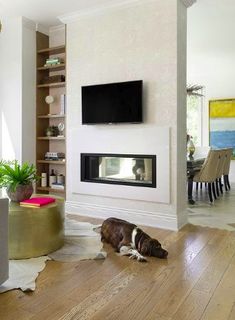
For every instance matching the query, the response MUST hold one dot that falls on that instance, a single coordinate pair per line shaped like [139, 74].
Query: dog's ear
[149, 245]
[156, 243]
[145, 247]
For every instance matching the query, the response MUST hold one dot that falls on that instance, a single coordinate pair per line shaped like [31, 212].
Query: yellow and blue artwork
[222, 124]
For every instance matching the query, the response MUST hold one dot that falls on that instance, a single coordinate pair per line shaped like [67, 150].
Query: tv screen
[112, 103]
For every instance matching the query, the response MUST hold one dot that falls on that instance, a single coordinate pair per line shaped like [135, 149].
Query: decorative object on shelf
[52, 131]
[49, 99]
[60, 179]
[57, 186]
[55, 156]
[62, 104]
[53, 79]
[52, 178]
[53, 61]
[43, 179]
[17, 179]
[61, 129]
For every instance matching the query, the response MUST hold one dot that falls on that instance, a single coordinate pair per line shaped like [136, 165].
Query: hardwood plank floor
[196, 282]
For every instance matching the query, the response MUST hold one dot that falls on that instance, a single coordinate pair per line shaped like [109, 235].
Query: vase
[190, 148]
[22, 192]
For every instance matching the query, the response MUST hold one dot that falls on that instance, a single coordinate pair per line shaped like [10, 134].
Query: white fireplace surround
[112, 139]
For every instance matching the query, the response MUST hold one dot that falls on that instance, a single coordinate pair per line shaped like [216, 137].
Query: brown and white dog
[130, 240]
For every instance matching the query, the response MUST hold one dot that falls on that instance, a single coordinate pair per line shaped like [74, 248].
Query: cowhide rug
[81, 243]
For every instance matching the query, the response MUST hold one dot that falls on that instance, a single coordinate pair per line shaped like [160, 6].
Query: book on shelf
[52, 62]
[37, 202]
[62, 103]
[57, 185]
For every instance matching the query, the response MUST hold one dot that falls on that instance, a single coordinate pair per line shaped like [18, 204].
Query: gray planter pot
[21, 193]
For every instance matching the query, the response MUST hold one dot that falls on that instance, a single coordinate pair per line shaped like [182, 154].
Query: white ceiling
[46, 12]
[211, 26]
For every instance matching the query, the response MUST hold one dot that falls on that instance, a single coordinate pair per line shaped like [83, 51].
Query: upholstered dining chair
[228, 155]
[220, 170]
[208, 172]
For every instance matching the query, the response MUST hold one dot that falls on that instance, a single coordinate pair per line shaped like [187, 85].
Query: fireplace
[125, 169]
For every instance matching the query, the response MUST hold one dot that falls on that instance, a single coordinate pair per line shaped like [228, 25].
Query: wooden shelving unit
[52, 85]
[47, 190]
[52, 162]
[52, 51]
[49, 115]
[51, 138]
[53, 68]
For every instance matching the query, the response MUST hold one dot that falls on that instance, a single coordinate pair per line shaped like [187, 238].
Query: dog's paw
[134, 254]
[142, 259]
[132, 257]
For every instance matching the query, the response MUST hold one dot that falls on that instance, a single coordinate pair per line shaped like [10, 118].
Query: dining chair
[220, 170]
[201, 152]
[208, 172]
[226, 168]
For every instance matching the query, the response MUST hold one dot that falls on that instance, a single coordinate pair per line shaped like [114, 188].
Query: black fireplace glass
[126, 169]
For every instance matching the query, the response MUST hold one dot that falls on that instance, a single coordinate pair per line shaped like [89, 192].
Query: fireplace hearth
[123, 169]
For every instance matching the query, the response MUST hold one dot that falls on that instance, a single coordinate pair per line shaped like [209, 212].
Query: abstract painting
[222, 124]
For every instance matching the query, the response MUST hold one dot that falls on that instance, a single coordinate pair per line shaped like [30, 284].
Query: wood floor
[197, 281]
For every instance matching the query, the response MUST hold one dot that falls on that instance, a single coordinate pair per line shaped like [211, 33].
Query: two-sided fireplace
[125, 169]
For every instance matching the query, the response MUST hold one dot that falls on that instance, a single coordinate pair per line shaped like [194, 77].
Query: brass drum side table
[35, 232]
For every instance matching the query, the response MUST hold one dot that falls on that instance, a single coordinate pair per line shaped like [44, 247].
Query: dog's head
[152, 247]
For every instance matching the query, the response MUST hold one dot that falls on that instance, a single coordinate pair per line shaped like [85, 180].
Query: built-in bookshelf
[50, 115]
[52, 85]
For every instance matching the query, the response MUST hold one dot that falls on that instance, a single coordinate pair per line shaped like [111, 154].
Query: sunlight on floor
[220, 214]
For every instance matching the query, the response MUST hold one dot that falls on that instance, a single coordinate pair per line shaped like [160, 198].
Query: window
[194, 113]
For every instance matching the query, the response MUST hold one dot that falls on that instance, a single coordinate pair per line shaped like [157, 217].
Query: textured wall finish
[128, 43]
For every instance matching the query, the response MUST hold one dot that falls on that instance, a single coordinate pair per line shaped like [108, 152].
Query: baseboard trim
[153, 219]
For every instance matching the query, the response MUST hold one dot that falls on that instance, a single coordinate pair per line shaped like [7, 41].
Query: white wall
[17, 89]
[125, 43]
[211, 51]
[10, 87]
[28, 91]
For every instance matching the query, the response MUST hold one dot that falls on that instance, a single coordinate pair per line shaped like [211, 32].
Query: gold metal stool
[35, 232]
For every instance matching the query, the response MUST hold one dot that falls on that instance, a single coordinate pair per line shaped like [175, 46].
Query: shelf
[52, 162]
[52, 85]
[47, 115]
[51, 138]
[51, 68]
[54, 50]
[51, 189]
[51, 116]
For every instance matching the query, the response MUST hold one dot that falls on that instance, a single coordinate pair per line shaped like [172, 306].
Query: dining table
[194, 164]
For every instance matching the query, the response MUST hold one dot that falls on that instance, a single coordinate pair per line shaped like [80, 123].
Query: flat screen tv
[112, 103]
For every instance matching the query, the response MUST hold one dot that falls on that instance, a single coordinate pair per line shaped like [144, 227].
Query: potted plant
[52, 131]
[17, 179]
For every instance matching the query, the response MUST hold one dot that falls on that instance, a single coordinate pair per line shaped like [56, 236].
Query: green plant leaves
[13, 174]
